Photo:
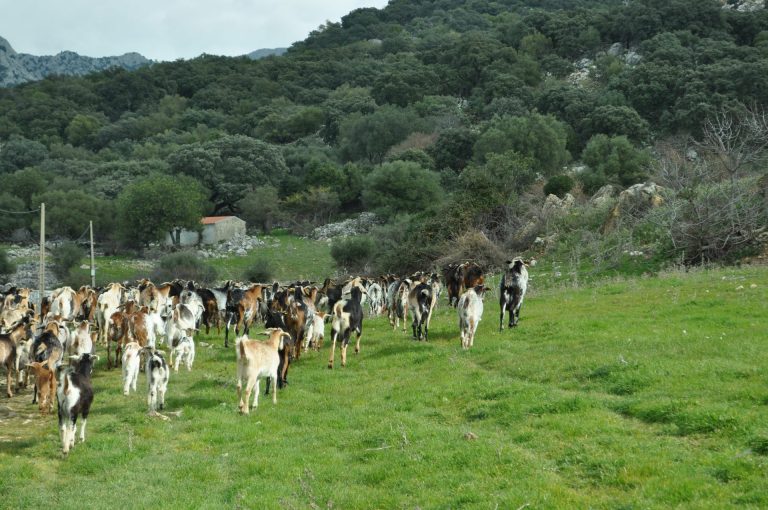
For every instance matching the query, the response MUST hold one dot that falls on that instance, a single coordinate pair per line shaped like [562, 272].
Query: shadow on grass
[13, 447]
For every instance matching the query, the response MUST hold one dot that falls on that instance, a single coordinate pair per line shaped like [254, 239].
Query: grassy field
[639, 393]
[290, 258]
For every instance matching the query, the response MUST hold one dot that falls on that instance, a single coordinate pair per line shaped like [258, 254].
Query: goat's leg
[246, 409]
[82, 431]
[63, 434]
[9, 382]
[256, 394]
[240, 395]
[357, 344]
[273, 377]
[334, 334]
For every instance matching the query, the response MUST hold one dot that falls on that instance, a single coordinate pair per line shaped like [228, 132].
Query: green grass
[290, 258]
[635, 393]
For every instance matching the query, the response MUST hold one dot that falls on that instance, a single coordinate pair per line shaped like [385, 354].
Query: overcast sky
[164, 29]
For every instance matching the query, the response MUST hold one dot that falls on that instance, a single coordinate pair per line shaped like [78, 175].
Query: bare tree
[736, 139]
[711, 215]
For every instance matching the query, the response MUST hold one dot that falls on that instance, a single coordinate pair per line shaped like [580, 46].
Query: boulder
[636, 198]
[555, 206]
[606, 194]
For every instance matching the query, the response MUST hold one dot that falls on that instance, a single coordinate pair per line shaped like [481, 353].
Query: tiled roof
[208, 220]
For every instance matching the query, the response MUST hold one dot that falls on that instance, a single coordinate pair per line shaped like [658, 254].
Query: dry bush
[472, 246]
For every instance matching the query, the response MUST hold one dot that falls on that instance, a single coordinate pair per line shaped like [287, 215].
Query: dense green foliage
[260, 271]
[184, 265]
[6, 266]
[353, 254]
[66, 257]
[489, 95]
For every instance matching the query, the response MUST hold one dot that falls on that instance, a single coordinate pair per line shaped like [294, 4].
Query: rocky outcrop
[17, 68]
[633, 200]
[744, 5]
[351, 227]
[606, 194]
[266, 52]
[28, 267]
[555, 206]
[238, 245]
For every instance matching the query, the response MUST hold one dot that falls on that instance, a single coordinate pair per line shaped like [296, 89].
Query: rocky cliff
[17, 68]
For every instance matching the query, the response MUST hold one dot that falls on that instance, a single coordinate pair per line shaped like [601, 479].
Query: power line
[19, 212]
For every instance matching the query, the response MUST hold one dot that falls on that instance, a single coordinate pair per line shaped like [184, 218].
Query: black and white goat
[158, 372]
[421, 302]
[347, 317]
[75, 396]
[514, 283]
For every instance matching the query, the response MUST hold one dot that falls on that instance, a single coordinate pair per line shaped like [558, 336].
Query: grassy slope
[646, 393]
[290, 258]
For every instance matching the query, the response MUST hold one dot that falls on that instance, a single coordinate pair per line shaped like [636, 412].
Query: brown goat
[8, 359]
[46, 385]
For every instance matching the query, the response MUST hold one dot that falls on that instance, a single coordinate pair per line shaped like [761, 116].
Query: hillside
[18, 68]
[634, 393]
[469, 129]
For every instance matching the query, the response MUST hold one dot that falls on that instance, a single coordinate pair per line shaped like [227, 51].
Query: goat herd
[133, 320]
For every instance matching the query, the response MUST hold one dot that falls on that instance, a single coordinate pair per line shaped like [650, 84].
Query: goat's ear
[76, 358]
[95, 357]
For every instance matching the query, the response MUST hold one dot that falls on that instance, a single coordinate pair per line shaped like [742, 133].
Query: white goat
[131, 363]
[185, 350]
[470, 312]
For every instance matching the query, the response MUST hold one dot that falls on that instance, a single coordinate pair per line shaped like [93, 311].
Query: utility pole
[42, 258]
[93, 263]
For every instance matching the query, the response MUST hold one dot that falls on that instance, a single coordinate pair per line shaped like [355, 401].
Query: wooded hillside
[444, 117]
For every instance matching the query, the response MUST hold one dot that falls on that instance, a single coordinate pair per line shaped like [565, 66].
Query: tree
[26, 183]
[261, 207]
[157, 205]
[344, 101]
[67, 213]
[738, 140]
[558, 185]
[612, 160]
[401, 187]
[229, 167]
[18, 153]
[453, 149]
[11, 222]
[371, 136]
[540, 137]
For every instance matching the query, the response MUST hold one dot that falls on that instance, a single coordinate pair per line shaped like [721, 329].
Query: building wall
[223, 230]
[212, 233]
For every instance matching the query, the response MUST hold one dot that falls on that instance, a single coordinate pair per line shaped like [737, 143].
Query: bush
[66, 257]
[260, 272]
[558, 185]
[352, 253]
[6, 266]
[186, 266]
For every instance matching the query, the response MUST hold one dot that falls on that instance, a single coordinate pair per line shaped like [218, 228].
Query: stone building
[215, 229]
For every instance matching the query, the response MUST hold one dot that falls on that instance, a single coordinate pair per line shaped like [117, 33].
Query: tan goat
[255, 360]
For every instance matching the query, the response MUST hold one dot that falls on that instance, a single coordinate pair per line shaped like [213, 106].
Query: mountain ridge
[17, 68]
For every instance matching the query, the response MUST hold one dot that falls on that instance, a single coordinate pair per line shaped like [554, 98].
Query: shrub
[66, 257]
[6, 266]
[558, 185]
[352, 253]
[184, 265]
[259, 272]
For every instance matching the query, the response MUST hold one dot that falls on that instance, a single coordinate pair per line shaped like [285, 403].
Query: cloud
[165, 29]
